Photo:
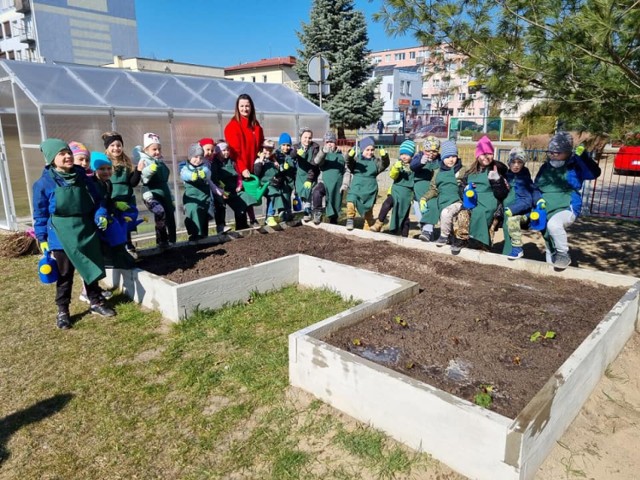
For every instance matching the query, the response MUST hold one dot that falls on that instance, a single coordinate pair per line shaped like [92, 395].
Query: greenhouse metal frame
[79, 103]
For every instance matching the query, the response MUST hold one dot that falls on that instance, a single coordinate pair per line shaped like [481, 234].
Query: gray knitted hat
[195, 150]
[561, 142]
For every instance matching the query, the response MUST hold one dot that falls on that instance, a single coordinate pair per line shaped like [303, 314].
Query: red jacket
[244, 142]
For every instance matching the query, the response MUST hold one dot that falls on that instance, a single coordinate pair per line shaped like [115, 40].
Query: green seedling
[356, 342]
[400, 321]
[484, 398]
[550, 334]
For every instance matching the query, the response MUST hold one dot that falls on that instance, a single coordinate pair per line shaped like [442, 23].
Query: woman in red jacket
[244, 136]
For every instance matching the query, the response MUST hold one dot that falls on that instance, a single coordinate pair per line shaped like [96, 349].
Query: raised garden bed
[470, 327]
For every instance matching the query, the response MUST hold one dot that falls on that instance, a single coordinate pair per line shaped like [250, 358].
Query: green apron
[423, 178]
[305, 163]
[122, 191]
[72, 221]
[158, 185]
[225, 176]
[332, 172]
[556, 193]
[364, 185]
[482, 214]
[402, 194]
[196, 199]
[448, 194]
[278, 197]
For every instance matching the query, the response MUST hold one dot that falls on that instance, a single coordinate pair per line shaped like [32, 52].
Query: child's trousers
[64, 284]
[446, 218]
[368, 216]
[556, 227]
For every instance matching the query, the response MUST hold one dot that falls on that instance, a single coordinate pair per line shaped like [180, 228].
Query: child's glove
[122, 206]
[398, 165]
[541, 204]
[44, 246]
[424, 160]
[300, 152]
[202, 174]
[102, 223]
[579, 150]
[493, 175]
[307, 184]
[507, 212]
[285, 166]
[153, 167]
[128, 219]
[382, 152]
[423, 205]
[352, 153]
[194, 176]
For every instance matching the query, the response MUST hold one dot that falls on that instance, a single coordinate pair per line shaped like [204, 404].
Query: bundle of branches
[17, 244]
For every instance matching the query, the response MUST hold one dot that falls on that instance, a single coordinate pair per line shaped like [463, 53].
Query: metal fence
[613, 194]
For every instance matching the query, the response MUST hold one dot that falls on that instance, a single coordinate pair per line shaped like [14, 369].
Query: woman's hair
[252, 114]
[123, 160]
[477, 168]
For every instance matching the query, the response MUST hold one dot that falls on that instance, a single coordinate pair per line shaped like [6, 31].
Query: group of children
[472, 205]
[85, 208]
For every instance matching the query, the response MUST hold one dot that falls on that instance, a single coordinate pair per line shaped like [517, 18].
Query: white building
[401, 90]
[88, 32]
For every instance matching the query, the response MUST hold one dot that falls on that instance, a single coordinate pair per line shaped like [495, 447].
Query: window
[387, 58]
[264, 78]
[436, 82]
[482, 112]
[462, 96]
[401, 87]
[450, 97]
[399, 56]
[408, 87]
[461, 112]
[412, 55]
[253, 79]
[7, 29]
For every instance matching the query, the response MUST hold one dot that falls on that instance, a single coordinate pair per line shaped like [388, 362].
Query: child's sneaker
[63, 320]
[377, 227]
[516, 253]
[255, 223]
[441, 241]
[562, 260]
[349, 224]
[102, 310]
[221, 229]
[317, 217]
[272, 222]
[131, 248]
[426, 236]
[457, 245]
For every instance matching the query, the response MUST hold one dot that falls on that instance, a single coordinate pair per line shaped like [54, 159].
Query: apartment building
[267, 70]
[139, 64]
[88, 32]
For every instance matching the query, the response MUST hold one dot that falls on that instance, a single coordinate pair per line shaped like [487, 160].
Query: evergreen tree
[339, 32]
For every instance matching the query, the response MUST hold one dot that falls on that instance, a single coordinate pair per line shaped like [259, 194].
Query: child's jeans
[446, 218]
[159, 216]
[64, 284]
[556, 226]
[514, 226]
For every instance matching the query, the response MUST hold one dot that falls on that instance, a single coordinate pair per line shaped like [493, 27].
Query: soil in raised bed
[469, 328]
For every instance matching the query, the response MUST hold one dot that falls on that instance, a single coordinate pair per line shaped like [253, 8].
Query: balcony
[23, 6]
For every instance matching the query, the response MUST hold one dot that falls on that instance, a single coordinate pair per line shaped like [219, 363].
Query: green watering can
[253, 191]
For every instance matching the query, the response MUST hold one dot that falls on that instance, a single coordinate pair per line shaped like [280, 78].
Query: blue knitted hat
[408, 147]
[366, 142]
[99, 159]
[448, 149]
[561, 142]
[285, 139]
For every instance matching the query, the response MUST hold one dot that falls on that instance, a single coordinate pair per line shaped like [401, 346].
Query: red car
[627, 160]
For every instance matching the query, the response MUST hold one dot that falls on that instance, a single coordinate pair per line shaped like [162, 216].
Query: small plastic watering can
[252, 187]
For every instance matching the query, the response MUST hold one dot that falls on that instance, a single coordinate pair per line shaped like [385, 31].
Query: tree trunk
[341, 132]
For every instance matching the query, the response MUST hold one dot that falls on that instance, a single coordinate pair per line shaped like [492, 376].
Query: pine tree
[339, 32]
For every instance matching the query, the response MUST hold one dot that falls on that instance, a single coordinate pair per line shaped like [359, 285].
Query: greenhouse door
[7, 208]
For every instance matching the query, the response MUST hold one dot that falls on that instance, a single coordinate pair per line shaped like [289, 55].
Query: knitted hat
[561, 142]
[206, 141]
[366, 142]
[484, 146]
[330, 137]
[431, 143]
[269, 144]
[448, 149]
[221, 146]
[408, 147]
[109, 139]
[52, 147]
[99, 159]
[285, 139]
[78, 148]
[150, 139]
[517, 153]
[195, 150]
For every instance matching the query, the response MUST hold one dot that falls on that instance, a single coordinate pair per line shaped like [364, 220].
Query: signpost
[318, 69]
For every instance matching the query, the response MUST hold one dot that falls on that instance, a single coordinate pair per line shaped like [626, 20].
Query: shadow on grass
[35, 413]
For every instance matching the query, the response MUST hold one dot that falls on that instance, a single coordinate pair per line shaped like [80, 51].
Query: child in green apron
[364, 169]
[226, 184]
[401, 193]
[329, 189]
[423, 164]
[64, 204]
[306, 171]
[197, 193]
[156, 193]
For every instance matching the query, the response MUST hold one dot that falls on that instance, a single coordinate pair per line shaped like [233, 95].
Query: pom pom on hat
[408, 147]
[206, 141]
[221, 146]
[517, 153]
[561, 142]
[195, 150]
[150, 139]
[366, 142]
[484, 146]
[78, 148]
[330, 137]
[448, 149]
[285, 139]
[99, 159]
[52, 147]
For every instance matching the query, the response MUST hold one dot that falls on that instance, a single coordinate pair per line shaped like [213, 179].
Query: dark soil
[469, 327]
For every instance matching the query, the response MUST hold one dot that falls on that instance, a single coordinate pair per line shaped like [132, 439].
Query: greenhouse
[79, 103]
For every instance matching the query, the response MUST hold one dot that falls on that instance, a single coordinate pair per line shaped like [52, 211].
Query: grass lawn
[132, 397]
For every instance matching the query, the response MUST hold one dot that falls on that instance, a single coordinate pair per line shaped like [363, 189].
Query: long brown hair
[252, 115]
[118, 162]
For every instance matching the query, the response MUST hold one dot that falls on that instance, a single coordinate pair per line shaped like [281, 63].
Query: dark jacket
[526, 192]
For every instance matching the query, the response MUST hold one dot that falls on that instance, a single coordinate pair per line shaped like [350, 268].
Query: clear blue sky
[227, 32]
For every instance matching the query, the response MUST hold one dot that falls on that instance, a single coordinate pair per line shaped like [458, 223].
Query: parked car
[437, 130]
[394, 126]
[627, 160]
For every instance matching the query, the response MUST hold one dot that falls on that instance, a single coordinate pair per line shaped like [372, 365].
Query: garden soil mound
[468, 331]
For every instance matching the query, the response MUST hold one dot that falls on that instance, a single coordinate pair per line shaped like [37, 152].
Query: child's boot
[272, 222]
[368, 220]
[457, 245]
[351, 214]
[317, 216]
[377, 227]
[63, 319]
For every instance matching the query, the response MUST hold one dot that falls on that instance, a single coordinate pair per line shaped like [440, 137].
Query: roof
[57, 87]
[288, 61]
[389, 69]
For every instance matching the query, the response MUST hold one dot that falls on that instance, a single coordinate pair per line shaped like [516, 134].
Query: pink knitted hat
[78, 148]
[484, 146]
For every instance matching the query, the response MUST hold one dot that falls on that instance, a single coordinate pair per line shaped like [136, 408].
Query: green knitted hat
[51, 147]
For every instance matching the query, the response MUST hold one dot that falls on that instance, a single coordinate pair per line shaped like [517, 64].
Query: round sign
[318, 68]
